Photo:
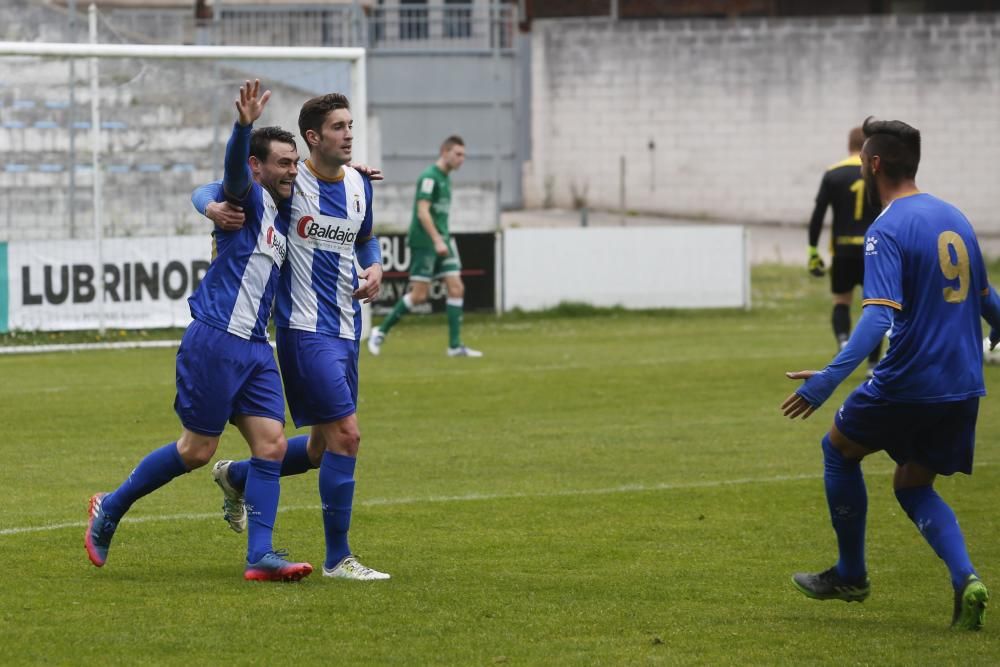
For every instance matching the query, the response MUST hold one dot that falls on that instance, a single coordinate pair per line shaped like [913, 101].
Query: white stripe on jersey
[345, 299]
[319, 295]
[303, 296]
[244, 317]
[268, 253]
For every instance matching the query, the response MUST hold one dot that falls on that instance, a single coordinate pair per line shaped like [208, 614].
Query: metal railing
[454, 25]
[390, 25]
[334, 25]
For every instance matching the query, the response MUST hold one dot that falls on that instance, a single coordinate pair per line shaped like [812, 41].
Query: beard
[871, 191]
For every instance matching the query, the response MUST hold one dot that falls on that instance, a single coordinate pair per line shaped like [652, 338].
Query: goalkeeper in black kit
[843, 189]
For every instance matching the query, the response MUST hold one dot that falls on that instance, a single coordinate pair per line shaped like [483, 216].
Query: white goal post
[354, 55]
[55, 281]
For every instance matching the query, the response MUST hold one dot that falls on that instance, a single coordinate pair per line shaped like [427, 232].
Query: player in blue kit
[231, 476]
[926, 283]
[318, 321]
[318, 316]
[225, 366]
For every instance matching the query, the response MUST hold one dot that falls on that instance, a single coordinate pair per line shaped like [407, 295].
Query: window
[413, 19]
[457, 19]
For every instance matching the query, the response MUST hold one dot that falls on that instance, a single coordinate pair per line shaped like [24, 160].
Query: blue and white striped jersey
[238, 289]
[328, 217]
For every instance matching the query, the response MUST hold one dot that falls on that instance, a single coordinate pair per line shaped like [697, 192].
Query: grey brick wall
[739, 119]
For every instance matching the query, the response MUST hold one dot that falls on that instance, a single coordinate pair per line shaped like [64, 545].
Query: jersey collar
[323, 177]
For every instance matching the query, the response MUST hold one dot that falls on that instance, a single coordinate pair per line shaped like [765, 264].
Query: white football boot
[234, 511]
[351, 568]
[463, 351]
[375, 341]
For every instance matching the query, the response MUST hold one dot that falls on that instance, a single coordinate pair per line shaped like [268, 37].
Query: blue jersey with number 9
[923, 260]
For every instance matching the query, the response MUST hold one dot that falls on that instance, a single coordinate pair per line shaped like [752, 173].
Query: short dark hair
[453, 140]
[314, 111]
[261, 138]
[897, 145]
[855, 139]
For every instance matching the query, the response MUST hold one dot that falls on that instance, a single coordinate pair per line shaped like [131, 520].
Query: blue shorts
[321, 375]
[939, 436]
[220, 375]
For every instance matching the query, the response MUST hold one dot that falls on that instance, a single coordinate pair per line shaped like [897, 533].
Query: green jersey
[433, 186]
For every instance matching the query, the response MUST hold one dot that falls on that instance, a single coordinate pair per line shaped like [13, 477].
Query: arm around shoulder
[204, 195]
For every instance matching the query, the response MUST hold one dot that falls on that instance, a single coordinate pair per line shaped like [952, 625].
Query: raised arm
[250, 105]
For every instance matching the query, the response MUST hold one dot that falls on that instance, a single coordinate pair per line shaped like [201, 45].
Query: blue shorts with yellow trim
[321, 375]
[938, 436]
[220, 376]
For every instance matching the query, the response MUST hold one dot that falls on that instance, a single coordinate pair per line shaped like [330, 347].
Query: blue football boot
[100, 530]
[272, 566]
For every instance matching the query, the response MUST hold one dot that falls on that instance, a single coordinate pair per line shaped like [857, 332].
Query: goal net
[101, 146]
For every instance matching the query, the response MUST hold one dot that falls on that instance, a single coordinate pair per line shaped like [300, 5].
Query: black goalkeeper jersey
[843, 188]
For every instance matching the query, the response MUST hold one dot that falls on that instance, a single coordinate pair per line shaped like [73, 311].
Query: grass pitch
[601, 488]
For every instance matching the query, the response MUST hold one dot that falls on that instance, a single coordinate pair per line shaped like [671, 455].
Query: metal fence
[455, 25]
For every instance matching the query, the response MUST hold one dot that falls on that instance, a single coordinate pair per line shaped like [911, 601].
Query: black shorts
[845, 273]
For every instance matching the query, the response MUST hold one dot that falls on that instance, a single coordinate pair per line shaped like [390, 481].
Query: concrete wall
[420, 98]
[473, 208]
[683, 277]
[739, 119]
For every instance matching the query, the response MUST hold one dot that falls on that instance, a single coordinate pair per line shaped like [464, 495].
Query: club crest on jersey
[870, 246]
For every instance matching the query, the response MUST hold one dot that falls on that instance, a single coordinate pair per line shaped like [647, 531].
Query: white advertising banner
[702, 266]
[55, 285]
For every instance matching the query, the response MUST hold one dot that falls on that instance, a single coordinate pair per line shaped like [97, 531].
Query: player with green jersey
[433, 254]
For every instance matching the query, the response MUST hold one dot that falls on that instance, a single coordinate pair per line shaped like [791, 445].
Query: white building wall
[739, 119]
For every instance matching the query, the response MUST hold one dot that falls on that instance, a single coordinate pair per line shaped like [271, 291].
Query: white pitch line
[383, 502]
[469, 497]
[91, 347]
[82, 347]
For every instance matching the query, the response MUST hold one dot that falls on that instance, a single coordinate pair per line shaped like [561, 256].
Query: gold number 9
[954, 270]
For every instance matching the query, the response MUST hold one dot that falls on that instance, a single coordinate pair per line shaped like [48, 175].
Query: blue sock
[296, 462]
[847, 499]
[159, 467]
[296, 459]
[937, 523]
[261, 497]
[336, 492]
